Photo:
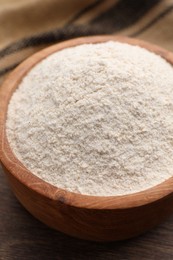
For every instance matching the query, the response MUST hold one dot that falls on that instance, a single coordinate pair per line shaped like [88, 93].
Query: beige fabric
[28, 26]
[22, 18]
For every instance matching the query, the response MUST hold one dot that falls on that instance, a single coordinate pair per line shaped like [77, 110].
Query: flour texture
[96, 119]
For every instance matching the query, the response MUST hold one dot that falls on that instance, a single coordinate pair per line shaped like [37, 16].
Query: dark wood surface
[24, 237]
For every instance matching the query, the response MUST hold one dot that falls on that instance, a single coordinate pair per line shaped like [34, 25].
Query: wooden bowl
[88, 217]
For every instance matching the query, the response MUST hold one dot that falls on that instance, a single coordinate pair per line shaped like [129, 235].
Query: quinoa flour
[96, 119]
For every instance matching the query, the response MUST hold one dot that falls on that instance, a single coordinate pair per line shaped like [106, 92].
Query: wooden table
[22, 237]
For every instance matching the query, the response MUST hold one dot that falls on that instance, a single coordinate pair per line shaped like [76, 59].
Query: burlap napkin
[28, 26]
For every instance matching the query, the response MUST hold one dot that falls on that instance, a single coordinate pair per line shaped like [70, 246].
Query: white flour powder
[96, 119]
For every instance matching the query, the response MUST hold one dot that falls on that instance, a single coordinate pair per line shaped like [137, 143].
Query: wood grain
[88, 217]
[23, 237]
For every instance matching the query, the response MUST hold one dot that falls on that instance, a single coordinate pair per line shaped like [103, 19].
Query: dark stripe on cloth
[53, 36]
[5, 70]
[121, 15]
[85, 10]
[124, 14]
[155, 20]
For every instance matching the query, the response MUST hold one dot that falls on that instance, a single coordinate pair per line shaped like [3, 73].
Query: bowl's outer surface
[88, 217]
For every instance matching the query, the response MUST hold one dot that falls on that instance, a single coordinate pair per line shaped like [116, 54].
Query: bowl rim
[22, 174]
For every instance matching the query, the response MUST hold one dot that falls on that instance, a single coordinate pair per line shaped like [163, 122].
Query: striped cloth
[28, 26]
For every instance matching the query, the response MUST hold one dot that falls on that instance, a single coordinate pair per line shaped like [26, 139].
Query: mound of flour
[96, 119]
